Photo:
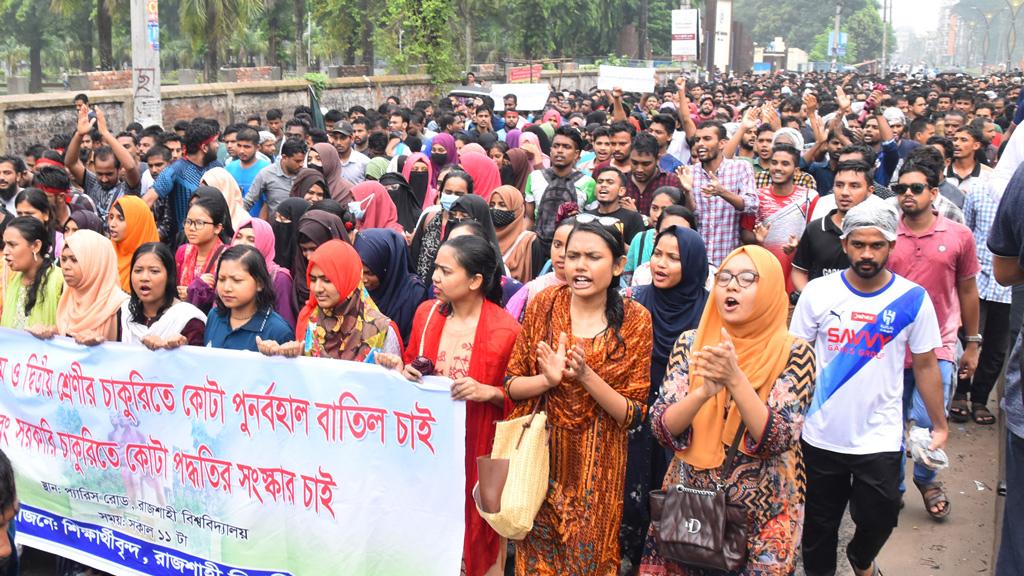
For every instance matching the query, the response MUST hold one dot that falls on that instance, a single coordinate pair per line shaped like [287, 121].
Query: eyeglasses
[743, 279]
[197, 224]
[917, 188]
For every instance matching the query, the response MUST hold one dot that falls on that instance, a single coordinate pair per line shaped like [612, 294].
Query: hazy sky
[921, 15]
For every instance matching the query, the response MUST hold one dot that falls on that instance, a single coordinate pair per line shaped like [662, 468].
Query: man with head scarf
[862, 321]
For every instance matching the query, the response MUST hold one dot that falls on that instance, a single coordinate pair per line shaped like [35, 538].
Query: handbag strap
[731, 456]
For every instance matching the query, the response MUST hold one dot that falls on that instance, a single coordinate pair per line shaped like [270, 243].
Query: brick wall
[34, 119]
[102, 80]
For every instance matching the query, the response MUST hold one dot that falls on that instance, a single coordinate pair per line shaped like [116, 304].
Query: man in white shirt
[353, 162]
[862, 321]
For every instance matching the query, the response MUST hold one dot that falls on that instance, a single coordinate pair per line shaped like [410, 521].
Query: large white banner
[629, 79]
[212, 462]
[723, 34]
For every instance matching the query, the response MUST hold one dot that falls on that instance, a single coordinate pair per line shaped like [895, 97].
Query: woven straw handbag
[513, 481]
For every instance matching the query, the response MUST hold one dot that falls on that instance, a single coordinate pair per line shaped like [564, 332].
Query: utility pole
[885, 37]
[146, 105]
[835, 37]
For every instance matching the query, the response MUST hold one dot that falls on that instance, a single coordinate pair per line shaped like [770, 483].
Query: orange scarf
[140, 227]
[518, 256]
[93, 305]
[762, 346]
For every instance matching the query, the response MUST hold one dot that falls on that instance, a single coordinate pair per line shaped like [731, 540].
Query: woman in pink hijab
[260, 235]
[538, 159]
[416, 165]
[484, 172]
[373, 208]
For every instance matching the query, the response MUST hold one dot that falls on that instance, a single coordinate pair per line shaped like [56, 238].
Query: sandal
[934, 496]
[981, 415]
[875, 570]
[958, 410]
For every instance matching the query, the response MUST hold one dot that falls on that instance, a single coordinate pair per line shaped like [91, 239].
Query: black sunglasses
[917, 188]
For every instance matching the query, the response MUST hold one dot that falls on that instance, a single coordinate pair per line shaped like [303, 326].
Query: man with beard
[645, 175]
[862, 321]
[247, 164]
[706, 109]
[939, 255]
[103, 184]
[549, 188]
[820, 251]
[622, 145]
[12, 169]
[353, 162]
[722, 190]
[782, 210]
[179, 180]
[360, 134]
[610, 189]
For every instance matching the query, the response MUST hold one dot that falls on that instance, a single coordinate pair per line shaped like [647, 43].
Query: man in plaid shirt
[723, 190]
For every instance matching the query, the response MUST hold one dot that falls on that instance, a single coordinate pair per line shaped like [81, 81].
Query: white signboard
[684, 34]
[723, 34]
[528, 96]
[629, 79]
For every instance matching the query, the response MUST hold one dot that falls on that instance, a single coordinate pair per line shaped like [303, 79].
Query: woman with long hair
[34, 285]
[584, 353]
[740, 366]
[244, 313]
[153, 316]
[468, 338]
[196, 260]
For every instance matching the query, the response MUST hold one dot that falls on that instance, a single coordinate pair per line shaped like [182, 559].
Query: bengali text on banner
[215, 462]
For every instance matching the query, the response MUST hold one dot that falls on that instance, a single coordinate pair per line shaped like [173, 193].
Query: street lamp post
[1011, 38]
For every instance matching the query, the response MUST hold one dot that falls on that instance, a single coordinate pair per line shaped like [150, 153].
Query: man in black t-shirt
[611, 186]
[820, 252]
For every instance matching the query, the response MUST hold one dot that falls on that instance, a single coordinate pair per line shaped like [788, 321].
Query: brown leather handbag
[700, 528]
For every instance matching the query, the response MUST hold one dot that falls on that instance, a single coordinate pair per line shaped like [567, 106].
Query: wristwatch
[976, 339]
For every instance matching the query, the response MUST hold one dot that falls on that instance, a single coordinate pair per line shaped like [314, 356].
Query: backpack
[558, 192]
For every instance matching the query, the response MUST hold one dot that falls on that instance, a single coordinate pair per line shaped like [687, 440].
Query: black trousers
[870, 484]
[995, 329]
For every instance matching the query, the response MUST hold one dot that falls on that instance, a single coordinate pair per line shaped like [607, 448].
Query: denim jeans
[914, 409]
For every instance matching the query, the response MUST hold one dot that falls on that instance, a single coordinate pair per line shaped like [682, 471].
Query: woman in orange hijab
[741, 365]
[88, 309]
[522, 255]
[339, 320]
[131, 225]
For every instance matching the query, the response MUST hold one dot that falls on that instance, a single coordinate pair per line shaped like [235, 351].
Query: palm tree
[208, 21]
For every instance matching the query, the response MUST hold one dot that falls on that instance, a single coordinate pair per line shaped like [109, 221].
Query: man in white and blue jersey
[862, 320]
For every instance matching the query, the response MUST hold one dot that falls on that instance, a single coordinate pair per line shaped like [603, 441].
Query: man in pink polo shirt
[939, 255]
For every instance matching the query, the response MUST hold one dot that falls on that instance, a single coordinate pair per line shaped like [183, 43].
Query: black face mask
[508, 177]
[502, 218]
[316, 167]
[440, 158]
[418, 181]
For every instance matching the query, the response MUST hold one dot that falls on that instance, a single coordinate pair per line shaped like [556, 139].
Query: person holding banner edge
[466, 336]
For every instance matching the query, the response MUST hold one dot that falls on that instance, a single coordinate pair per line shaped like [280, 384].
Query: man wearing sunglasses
[939, 255]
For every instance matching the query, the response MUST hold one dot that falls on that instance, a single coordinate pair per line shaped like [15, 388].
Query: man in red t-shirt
[783, 210]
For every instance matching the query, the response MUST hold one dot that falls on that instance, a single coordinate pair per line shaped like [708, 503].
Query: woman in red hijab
[485, 174]
[373, 207]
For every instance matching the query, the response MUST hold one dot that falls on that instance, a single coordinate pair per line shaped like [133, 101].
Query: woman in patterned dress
[586, 354]
[741, 364]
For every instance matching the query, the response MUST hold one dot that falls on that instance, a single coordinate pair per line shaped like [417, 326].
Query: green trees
[208, 21]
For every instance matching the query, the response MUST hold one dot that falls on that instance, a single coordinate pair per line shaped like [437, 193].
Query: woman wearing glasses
[741, 365]
[196, 261]
[585, 354]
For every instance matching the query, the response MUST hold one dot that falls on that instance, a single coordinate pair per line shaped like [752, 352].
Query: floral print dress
[770, 482]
